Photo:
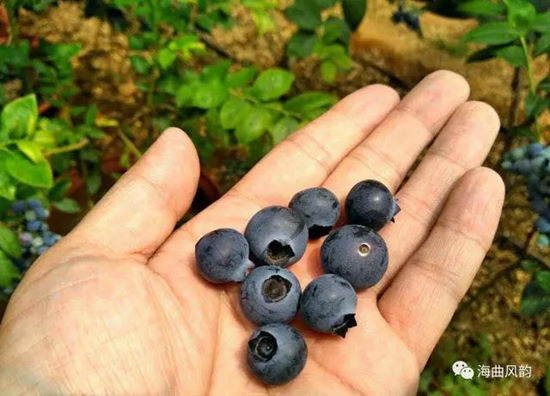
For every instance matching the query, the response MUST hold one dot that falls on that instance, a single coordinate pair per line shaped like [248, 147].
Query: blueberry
[41, 213]
[277, 353]
[30, 215]
[371, 204]
[543, 240]
[523, 166]
[542, 225]
[37, 242]
[19, 207]
[277, 236]
[25, 239]
[328, 305]
[34, 204]
[319, 208]
[270, 294]
[41, 250]
[357, 254]
[33, 225]
[222, 256]
[534, 149]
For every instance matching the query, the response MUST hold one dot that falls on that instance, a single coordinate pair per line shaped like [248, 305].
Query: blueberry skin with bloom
[328, 305]
[357, 254]
[277, 236]
[371, 204]
[277, 353]
[270, 294]
[319, 208]
[222, 256]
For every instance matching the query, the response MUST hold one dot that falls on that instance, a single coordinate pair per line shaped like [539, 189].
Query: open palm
[117, 307]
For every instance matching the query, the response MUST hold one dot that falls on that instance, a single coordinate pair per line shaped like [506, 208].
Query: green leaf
[336, 30]
[329, 71]
[543, 279]
[484, 54]
[542, 22]
[263, 21]
[491, 33]
[215, 130]
[166, 57]
[301, 44]
[526, 132]
[7, 185]
[521, 15]
[31, 149]
[210, 94]
[544, 85]
[91, 113]
[59, 190]
[253, 125]
[9, 242]
[8, 271]
[27, 172]
[482, 8]
[44, 138]
[282, 128]
[242, 77]
[543, 44]
[233, 111]
[306, 102]
[529, 265]
[354, 11]
[272, 84]
[19, 118]
[93, 182]
[534, 299]
[305, 15]
[184, 94]
[535, 105]
[139, 64]
[67, 205]
[217, 71]
[513, 54]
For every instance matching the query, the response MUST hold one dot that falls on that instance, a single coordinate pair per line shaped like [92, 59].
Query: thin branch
[66, 149]
[128, 143]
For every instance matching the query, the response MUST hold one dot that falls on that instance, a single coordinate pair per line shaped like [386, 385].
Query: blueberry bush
[517, 31]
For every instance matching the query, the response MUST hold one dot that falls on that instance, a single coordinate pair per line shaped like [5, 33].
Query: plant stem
[68, 148]
[128, 143]
[530, 78]
[13, 36]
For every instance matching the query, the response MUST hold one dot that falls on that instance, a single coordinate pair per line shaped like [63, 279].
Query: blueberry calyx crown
[317, 231]
[275, 288]
[278, 254]
[263, 346]
[396, 210]
[348, 322]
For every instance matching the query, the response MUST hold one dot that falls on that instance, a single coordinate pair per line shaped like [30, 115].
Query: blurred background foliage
[87, 86]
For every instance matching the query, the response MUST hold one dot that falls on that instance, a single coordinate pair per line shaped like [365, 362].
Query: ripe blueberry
[222, 256]
[357, 254]
[270, 294]
[277, 353]
[320, 209]
[328, 305]
[277, 236]
[371, 204]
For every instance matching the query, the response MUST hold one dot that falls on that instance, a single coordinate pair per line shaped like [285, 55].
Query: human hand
[118, 307]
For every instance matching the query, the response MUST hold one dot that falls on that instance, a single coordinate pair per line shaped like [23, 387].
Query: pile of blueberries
[353, 257]
[533, 162]
[33, 233]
